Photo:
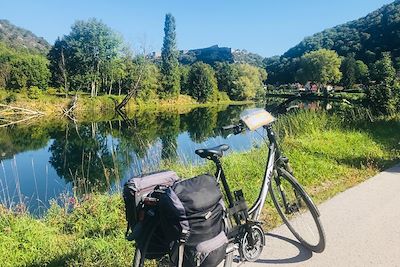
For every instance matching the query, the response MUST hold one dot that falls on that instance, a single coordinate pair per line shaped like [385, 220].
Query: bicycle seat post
[221, 174]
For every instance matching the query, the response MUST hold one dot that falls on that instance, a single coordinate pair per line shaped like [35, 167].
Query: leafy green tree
[58, 67]
[27, 71]
[241, 81]
[150, 82]
[91, 45]
[169, 57]
[226, 75]
[201, 82]
[321, 66]
[362, 72]
[383, 70]
[383, 96]
[348, 68]
[249, 83]
[184, 75]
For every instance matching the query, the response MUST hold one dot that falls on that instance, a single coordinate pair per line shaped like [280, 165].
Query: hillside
[22, 39]
[213, 54]
[366, 37]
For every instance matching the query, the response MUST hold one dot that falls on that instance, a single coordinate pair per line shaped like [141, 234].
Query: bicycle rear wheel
[144, 257]
[297, 210]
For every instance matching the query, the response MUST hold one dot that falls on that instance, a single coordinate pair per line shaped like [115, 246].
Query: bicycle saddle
[214, 151]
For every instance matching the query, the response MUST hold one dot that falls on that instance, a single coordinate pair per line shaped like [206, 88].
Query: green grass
[328, 155]
[91, 234]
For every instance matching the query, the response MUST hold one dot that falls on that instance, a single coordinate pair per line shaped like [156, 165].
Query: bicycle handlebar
[228, 127]
[237, 128]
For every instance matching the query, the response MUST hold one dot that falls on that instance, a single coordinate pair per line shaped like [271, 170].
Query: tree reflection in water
[94, 156]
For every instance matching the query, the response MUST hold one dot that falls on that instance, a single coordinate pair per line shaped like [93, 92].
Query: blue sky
[266, 27]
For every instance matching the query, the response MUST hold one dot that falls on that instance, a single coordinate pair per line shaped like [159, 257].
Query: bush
[12, 97]
[34, 92]
[383, 99]
[220, 97]
[51, 91]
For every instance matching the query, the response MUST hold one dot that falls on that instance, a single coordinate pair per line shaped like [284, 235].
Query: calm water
[46, 159]
[50, 159]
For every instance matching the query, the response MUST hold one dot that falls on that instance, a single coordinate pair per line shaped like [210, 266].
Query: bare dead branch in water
[19, 121]
[25, 110]
[14, 115]
[72, 106]
[131, 92]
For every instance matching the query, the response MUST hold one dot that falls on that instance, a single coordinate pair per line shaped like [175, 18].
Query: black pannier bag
[139, 222]
[193, 210]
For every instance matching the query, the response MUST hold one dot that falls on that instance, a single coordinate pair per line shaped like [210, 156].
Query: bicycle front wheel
[297, 210]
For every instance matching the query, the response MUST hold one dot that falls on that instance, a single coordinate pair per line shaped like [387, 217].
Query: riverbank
[52, 104]
[352, 96]
[329, 153]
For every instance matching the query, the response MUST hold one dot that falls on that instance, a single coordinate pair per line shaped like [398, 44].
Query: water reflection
[47, 158]
[42, 160]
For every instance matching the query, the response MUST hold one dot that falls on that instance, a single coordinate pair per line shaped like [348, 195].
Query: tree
[91, 45]
[226, 75]
[184, 74]
[240, 81]
[201, 82]
[150, 81]
[383, 96]
[169, 57]
[383, 70]
[348, 68]
[58, 68]
[28, 71]
[362, 72]
[382, 99]
[249, 82]
[321, 66]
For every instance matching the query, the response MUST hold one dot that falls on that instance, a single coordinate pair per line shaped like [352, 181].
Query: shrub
[382, 98]
[34, 92]
[220, 96]
[51, 91]
[12, 97]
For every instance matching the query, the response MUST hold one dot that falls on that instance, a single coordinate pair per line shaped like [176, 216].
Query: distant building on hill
[213, 54]
[154, 55]
[209, 55]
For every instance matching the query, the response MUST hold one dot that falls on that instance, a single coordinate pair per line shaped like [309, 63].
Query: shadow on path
[303, 254]
[395, 169]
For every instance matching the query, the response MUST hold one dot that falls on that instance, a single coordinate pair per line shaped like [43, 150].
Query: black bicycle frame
[273, 155]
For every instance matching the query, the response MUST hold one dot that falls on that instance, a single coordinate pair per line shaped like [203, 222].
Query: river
[56, 158]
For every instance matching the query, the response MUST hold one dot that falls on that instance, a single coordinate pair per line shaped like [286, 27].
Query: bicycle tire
[317, 247]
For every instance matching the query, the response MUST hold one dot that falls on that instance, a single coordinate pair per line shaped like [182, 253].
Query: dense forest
[365, 39]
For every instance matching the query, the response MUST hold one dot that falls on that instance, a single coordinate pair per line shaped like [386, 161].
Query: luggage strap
[181, 249]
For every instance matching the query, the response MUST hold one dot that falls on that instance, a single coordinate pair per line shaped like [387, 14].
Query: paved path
[362, 227]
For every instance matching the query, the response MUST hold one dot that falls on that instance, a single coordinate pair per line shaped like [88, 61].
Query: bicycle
[293, 204]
